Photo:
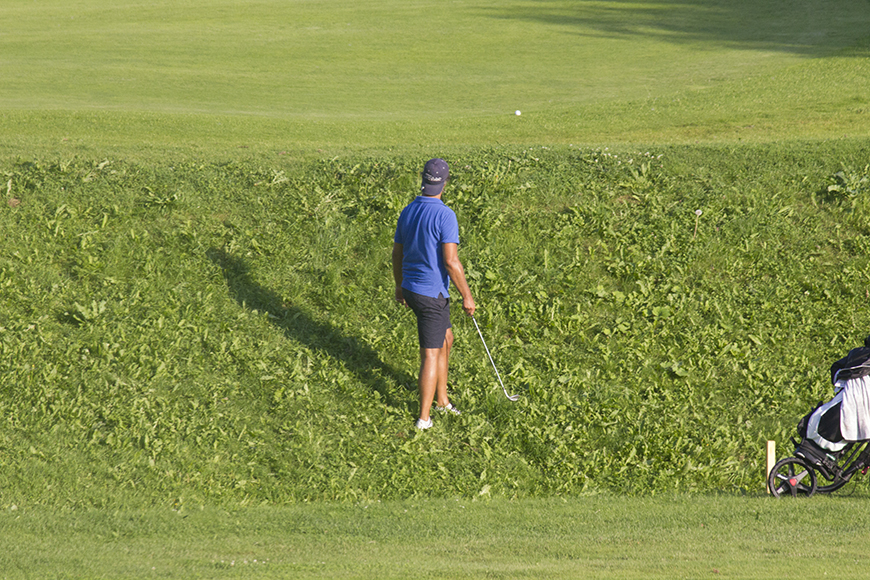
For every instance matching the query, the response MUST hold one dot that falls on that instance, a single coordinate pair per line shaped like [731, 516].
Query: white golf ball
[518, 113]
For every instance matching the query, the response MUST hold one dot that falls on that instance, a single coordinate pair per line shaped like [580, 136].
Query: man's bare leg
[432, 383]
[441, 398]
[428, 381]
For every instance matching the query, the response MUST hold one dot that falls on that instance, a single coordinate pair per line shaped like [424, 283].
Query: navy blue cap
[435, 175]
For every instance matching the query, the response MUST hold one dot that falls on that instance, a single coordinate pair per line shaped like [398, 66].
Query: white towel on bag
[855, 411]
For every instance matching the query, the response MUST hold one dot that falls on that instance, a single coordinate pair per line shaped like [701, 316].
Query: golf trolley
[817, 470]
[824, 460]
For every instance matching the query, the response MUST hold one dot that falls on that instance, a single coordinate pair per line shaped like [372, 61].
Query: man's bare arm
[456, 272]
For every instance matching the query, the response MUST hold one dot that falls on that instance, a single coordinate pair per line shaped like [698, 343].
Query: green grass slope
[226, 332]
[94, 76]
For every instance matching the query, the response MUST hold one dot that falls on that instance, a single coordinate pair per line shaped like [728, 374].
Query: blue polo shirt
[423, 226]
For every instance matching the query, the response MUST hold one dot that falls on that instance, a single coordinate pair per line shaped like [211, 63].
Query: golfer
[425, 260]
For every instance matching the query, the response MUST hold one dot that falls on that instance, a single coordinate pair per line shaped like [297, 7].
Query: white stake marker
[771, 460]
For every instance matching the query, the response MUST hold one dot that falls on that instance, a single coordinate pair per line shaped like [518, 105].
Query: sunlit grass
[276, 77]
[195, 309]
[592, 537]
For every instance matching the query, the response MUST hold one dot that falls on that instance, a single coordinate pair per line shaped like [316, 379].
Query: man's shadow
[298, 325]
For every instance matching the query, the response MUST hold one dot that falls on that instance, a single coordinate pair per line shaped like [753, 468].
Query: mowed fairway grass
[92, 76]
[597, 537]
[271, 83]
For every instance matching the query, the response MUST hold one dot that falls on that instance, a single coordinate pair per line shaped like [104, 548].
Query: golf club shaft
[512, 398]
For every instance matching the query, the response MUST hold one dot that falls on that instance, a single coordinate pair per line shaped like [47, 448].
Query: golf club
[510, 397]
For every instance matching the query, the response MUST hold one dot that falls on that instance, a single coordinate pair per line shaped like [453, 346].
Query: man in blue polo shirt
[425, 261]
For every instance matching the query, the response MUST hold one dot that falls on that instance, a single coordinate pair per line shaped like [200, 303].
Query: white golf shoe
[448, 409]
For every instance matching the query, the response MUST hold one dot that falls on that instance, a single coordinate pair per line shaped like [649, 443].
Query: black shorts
[433, 318]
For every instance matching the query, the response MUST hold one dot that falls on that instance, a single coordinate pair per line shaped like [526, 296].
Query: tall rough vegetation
[225, 333]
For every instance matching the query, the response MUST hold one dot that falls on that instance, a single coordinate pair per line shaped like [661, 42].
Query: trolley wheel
[791, 476]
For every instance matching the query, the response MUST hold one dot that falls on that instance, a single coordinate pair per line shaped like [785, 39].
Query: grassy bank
[225, 332]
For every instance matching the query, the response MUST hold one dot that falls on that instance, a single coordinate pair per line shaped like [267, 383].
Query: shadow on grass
[317, 335]
[807, 27]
